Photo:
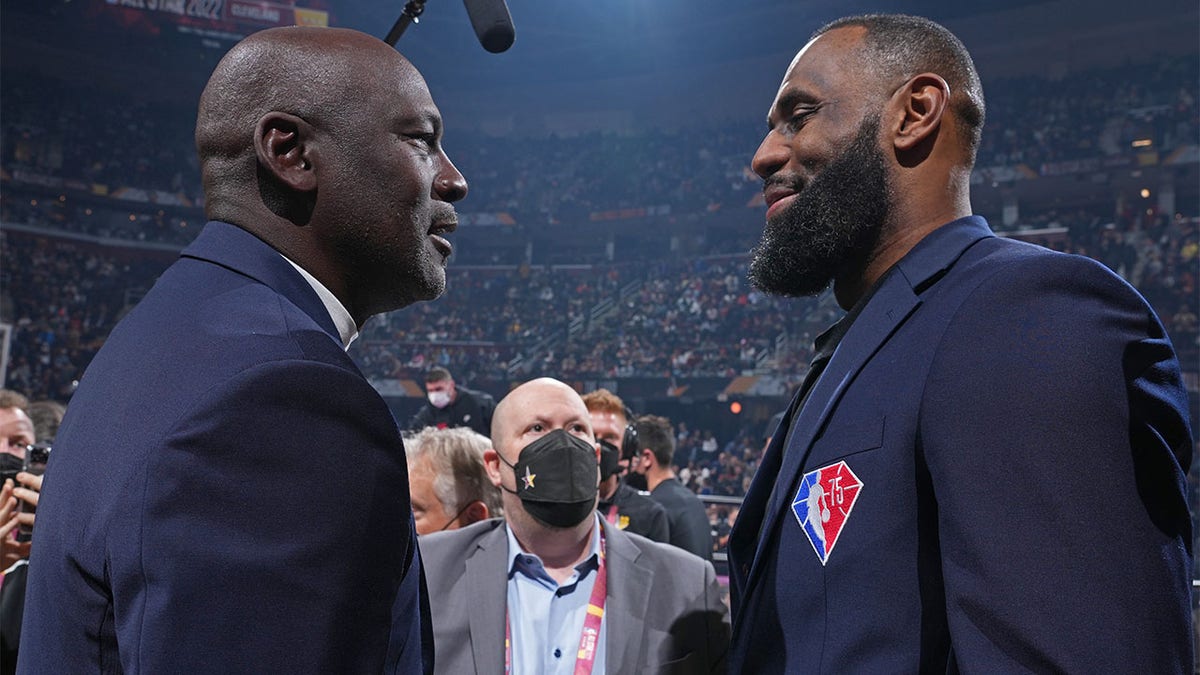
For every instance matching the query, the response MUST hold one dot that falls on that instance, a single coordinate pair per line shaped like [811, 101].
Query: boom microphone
[492, 23]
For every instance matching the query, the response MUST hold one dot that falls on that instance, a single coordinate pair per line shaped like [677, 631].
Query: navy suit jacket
[987, 477]
[227, 492]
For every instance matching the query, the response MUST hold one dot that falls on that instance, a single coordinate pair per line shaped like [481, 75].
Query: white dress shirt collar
[347, 331]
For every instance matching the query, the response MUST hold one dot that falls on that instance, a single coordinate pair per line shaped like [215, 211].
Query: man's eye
[428, 141]
[799, 118]
[537, 427]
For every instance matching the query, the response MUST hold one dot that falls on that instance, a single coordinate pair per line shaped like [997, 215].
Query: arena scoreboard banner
[223, 19]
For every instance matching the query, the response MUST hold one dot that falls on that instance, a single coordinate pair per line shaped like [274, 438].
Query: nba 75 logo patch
[823, 504]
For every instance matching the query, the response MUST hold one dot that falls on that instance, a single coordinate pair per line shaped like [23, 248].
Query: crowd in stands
[524, 306]
[62, 133]
[62, 299]
[1035, 121]
[99, 217]
[678, 316]
[75, 130]
[696, 317]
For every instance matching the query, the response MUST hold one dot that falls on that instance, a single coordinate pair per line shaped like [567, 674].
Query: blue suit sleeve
[1054, 428]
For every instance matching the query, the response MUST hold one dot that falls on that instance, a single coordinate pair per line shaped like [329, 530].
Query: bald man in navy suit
[227, 492]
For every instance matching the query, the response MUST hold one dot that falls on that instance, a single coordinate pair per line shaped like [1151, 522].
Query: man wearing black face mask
[553, 587]
[628, 508]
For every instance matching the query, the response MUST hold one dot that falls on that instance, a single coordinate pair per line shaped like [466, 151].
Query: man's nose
[771, 156]
[450, 185]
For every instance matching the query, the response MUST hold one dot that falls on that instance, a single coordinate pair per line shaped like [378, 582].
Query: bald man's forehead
[544, 389]
[544, 402]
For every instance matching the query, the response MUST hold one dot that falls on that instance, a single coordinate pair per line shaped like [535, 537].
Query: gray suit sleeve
[717, 626]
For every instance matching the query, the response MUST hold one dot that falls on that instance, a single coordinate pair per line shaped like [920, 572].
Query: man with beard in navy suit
[984, 468]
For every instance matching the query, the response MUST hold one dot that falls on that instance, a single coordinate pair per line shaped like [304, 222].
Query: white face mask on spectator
[439, 399]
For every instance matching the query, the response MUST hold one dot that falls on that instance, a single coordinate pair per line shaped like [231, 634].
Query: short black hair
[655, 433]
[438, 374]
[899, 45]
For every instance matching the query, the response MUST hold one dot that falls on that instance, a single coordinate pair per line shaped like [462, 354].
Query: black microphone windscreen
[492, 23]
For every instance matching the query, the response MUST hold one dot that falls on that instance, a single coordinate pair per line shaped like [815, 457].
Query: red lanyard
[588, 640]
[611, 516]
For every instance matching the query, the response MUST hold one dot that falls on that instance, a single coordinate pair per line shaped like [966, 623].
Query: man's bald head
[541, 401]
[315, 74]
[326, 144]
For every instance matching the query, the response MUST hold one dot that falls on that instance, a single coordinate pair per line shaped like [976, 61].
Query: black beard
[831, 225]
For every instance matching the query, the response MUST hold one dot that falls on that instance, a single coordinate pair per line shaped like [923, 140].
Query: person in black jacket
[453, 406]
[620, 504]
[686, 517]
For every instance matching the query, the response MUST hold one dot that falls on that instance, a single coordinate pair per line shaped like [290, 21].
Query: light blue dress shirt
[547, 619]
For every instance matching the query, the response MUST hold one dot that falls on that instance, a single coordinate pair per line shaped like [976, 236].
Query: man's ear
[475, 512]
[919, 106]
[648, 455]
[491, 463]
[282, 142]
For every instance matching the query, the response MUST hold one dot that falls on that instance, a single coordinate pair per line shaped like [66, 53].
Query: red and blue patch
[823, 504]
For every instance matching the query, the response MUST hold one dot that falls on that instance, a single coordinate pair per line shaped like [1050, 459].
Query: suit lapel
[234, 248]
[487, 585]
[628, 600]
[891, 305]
[897, 296]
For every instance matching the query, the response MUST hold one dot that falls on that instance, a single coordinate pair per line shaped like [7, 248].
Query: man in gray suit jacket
[660, 608]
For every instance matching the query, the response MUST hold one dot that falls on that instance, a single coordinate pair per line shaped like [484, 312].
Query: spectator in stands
[447, 482]
[687, 520]
[725, 526]
[223, 451]
[1185, 322]
[986, 415]
[626, 508]
[18, 491]
[46, 416]
[553, 587]
[453, 406]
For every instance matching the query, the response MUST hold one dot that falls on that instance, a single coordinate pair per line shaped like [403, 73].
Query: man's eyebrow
[787, 100]
[423, 118]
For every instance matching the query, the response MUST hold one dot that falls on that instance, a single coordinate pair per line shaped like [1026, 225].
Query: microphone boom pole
[412, 12]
